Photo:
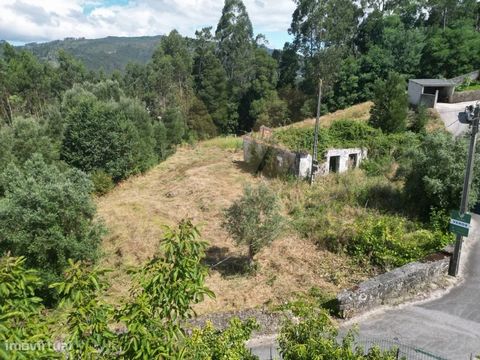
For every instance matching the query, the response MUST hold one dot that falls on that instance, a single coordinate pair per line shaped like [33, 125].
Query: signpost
[473, 116]
[460, 224]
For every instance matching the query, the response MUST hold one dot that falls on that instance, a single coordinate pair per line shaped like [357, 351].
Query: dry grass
[434, 121]
[359, 112]
[199, 182]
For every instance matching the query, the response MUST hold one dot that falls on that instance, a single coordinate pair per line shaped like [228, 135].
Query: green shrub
[254, 219]
[23, 138]
[315, 336]
[389, 241]
[301, 139]
[211, 343]
[434, 175]
[102, 182]
[115, 136]
[48, 216]
[21, 311]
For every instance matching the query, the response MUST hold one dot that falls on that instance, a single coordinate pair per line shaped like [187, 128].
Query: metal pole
[455, 259]
[315, 140]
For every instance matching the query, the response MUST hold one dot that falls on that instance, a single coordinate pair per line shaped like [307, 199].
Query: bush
[102, 182]
[389, 241]
[115, 136]
[254, 219]
[48, 216]
[419, 119]
[210, 343]
[316, 337]
[434, 176]
[22, 319]
[23, 138]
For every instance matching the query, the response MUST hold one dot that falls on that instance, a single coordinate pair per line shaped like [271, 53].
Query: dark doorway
[352, 161]
[334, 164]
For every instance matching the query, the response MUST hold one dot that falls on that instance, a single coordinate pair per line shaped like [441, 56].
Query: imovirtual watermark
[40, 346]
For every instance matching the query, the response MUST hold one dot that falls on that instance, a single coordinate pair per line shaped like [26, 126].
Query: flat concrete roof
[433, 82]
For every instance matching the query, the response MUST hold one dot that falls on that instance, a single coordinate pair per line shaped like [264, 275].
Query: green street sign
[460, 224]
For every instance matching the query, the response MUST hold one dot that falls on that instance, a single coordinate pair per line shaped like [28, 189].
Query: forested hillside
[109, 54]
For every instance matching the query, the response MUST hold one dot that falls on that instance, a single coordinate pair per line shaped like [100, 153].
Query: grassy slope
[360, 112]
[199, 182]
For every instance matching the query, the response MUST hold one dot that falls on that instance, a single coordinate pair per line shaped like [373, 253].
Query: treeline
[353, 48]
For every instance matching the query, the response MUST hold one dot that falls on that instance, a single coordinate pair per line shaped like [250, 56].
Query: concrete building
[276, 160]
[341, 160]
[428, 92]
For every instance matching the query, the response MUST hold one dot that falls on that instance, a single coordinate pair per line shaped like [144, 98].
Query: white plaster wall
[344, 158]
[414, 92]
[305, 165]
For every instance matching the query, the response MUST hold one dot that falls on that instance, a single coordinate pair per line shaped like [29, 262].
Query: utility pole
[315, 140]
[455, 259]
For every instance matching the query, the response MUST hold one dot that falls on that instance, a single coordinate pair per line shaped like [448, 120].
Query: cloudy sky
[43, 20]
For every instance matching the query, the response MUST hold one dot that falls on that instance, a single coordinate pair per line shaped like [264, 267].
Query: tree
[27, 84]
[451, 52]
[318, 25]
[48, 216]
[434, 178]
[235, 46]
[69, 72]
[389, 111]
[288, 67]
[117, 137]
[153, 316]
[199, 120]
[254, 219]
[261, 99]
[22, 139]
[324, 36]
[175, 124]
[170, 74]
[211, 81]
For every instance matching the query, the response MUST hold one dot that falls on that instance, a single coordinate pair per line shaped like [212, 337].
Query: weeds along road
[447, 326]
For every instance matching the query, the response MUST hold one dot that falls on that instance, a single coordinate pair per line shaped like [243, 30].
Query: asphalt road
[447, 326]
[449, 115]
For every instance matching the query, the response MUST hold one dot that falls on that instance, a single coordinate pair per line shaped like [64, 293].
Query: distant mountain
[110, 53]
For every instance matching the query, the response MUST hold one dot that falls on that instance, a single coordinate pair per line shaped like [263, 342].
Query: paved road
[448, 326]
[449, 115]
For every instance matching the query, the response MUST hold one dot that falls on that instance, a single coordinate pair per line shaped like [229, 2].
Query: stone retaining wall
[462, 96]
[393, 287]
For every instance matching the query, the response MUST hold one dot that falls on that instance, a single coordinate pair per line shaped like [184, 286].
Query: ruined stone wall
[392, 287]
[281, 161]
[277, 161]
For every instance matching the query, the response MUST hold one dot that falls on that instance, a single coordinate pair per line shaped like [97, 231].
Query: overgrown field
[199, 183]
[340, 231]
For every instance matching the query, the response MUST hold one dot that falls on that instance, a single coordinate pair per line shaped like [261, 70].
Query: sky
[23, 21]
